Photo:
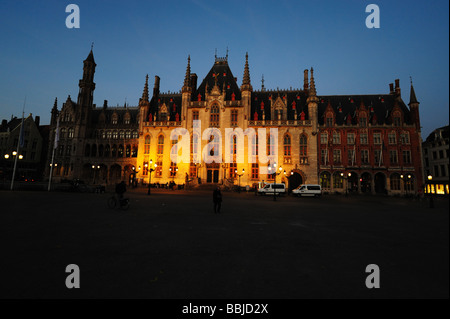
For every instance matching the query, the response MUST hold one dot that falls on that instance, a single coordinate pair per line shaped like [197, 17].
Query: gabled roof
[224, 75]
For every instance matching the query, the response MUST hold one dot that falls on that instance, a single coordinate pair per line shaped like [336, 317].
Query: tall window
[351, 138]
[397, 121]
[147, 144]
[365, 156]
[232, 170]
[329, 121]
[192, 170]
[287, 148]
[214, 117]
[303, 149]
[377, 138]
[393, 157]
[173, 169]
[377, 157]
[351, 156]
[363, 138]
[363, 121]
[108, 134]
[323, 138]
[405, 137]
[323, 156]
[114, 119]
[255, 171]
[158, 169]
[71, 132]
[121, 135]
[392, 138]
[336, 137]
[407, 157]
[160, 150]
[234, 118]
[336, 156]
[120, 151]
[395, 182]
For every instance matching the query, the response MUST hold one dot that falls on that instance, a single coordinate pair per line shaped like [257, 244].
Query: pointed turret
[246, 85]
[145, 92]
[412, 96]
[414, 107]
[54, 112]
[187, 78]
[312, 89]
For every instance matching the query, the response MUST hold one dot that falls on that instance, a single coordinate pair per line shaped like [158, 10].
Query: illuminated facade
[436, 161]
[109, 144]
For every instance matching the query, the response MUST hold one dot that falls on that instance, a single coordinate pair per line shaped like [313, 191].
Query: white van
[308, 190]
[270, 189]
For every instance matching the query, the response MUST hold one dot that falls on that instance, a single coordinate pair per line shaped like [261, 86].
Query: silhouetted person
[121, 188]
[217, 200]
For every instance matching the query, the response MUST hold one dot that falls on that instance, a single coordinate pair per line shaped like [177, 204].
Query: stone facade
[109, 144]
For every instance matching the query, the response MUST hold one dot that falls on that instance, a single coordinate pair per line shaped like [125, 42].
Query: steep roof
[222, 72]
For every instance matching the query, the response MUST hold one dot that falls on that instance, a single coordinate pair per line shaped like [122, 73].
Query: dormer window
[329, 121]
[363, 121]
[114, 119]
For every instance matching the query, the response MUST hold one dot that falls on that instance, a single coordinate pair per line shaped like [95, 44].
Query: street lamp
[403, 182]
[150, 174]
[431, 193]
[94, 168]
[275, 174]
[239, 175]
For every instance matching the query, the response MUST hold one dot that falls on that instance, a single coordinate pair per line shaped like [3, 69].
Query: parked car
[308, 190]
[270, 189]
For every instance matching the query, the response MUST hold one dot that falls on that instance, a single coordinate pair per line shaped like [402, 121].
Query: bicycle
[114, 202]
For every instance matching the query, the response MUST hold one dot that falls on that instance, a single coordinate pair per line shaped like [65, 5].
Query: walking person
[217, 199]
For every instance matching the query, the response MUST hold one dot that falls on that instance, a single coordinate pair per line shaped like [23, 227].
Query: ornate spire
[312, 89]
[187, 78]
[145, 92]
[55, 105]
[246, 85]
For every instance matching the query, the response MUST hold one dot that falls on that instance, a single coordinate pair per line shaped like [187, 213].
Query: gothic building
[109, 144]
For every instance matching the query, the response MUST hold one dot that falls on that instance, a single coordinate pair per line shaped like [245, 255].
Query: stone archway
[295, 179]
[380, 183]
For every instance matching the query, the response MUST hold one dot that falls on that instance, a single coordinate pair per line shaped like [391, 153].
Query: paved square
[172, 245]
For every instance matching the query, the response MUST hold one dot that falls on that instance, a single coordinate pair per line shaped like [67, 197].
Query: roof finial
[215, 54]
[92, 46]
[262, 83]
[227, 52]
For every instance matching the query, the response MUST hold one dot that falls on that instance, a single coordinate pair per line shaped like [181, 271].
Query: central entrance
[212, 173]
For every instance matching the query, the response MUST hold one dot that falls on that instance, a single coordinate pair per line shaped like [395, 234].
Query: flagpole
[19, 141]
[55, 145]
[51, 170]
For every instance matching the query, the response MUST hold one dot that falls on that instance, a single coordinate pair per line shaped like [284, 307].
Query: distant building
[321, 139]
[29, 164]
[436, 161]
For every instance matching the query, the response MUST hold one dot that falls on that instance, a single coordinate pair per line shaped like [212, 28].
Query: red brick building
[370, 143]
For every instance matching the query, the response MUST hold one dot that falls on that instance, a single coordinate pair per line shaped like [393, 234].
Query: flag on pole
[21, 134]
[56, 135]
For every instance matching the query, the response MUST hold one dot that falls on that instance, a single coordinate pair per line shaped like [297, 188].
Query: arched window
[62, 133]
[100, 150]
[71, 132]
[134, 151]
[114, 151]
[287, 148]
[120, 151]
[121, 135]
[147, 144]
[303, 149]
[128, 151]
[114, 118]
[325, 180]
[214, 117]
[160, 150]
[128, 135]
[135, 134]
[114, 135]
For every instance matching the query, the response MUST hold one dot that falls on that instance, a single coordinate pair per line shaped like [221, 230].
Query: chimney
[397, 87]
[156, 86]
[37, 120]
[305, 80]
[4, 123]
[391, 88]
[194, 82]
